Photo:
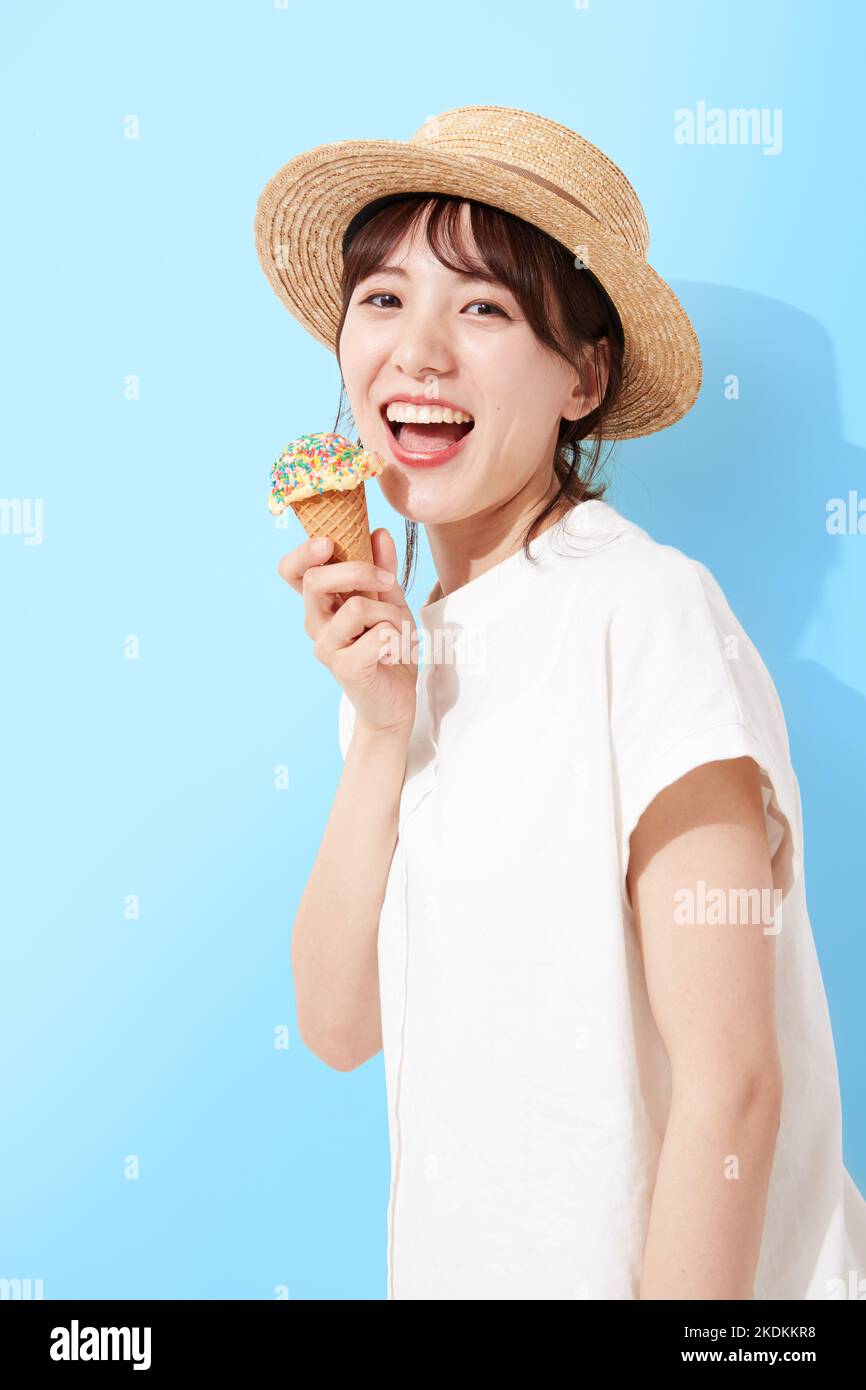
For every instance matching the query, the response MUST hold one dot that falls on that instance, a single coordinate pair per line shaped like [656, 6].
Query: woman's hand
[368, 644]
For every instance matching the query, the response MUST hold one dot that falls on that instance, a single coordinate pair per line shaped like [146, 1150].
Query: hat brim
[304, 210]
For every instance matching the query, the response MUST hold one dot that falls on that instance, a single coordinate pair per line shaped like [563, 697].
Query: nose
[422, 348]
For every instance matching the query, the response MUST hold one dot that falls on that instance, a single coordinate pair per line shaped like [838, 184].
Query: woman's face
[426, 331]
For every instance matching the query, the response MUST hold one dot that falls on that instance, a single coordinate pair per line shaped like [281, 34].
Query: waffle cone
[343, 517]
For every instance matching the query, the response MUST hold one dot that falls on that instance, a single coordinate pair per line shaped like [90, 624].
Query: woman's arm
[711, 988]
[335, 935]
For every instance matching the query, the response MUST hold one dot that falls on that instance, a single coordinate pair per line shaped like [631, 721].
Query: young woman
[561, 885]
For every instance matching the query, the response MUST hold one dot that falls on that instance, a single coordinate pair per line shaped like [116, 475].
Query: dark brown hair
[542, 273]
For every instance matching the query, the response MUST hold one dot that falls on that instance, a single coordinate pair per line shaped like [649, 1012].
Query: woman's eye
[382, 295]
[487, 305]
[482, 303]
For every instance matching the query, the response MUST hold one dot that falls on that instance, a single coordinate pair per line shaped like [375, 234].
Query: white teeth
[427, 414]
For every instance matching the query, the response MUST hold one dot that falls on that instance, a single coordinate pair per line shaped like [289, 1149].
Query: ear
[585, 395]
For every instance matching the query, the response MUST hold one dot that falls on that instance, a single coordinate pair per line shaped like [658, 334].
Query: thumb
[385, 554]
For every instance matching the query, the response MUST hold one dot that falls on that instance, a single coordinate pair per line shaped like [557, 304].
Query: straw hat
[525, 164]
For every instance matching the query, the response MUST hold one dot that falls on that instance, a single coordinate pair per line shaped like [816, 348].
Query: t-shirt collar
[481, 598]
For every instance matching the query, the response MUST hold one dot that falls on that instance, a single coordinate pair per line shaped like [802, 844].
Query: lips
[425, 446]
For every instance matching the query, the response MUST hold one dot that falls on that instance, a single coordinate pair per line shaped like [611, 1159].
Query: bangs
[506, 250]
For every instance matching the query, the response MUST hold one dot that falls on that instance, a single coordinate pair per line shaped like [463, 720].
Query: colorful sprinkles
[317, 463]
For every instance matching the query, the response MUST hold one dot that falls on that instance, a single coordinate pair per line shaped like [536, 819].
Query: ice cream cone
[321, 477]
[343, 517]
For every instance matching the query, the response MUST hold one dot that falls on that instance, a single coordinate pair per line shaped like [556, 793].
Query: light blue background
[156, 777]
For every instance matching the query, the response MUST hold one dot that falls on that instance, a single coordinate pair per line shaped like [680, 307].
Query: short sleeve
[345, 723]
[688, 687]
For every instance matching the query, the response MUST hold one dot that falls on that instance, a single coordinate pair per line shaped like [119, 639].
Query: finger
[373, 648]
[385, 556]
[345, 577]
[359, 614]
[293, 566]
[384, 549]
[326, 587]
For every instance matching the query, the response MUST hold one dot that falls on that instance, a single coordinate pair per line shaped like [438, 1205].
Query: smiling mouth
[419, 438]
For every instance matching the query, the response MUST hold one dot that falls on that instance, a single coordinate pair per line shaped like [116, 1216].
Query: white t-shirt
[527, 1084]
